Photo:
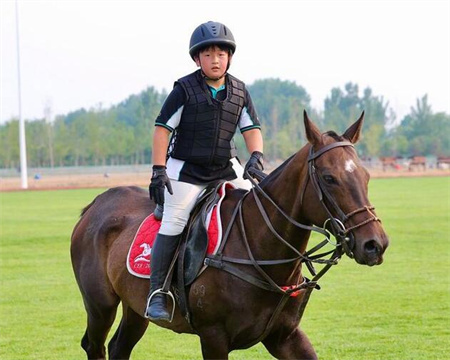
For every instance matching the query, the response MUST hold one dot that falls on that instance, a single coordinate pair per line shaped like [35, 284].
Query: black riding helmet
[211, 33]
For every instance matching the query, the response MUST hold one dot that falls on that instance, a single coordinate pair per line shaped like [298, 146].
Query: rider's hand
[158, 183]
[254, 163]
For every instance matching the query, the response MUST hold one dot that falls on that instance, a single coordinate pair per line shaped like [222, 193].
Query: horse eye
[330, 180]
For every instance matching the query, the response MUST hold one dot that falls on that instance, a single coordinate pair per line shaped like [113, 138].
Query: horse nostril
[371, 247]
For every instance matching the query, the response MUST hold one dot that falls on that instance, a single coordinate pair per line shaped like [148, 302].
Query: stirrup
[161, 291]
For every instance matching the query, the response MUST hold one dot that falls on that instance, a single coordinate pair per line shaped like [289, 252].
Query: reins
[344, 239]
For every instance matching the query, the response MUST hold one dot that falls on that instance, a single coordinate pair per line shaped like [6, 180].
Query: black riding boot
[163, 252]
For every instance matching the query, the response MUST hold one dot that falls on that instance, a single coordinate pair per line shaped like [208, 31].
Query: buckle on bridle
[339, 232]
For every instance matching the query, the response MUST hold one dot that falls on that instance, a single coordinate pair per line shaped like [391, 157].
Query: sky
[92, 53]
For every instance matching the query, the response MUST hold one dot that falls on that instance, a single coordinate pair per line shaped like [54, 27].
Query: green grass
[399, 310]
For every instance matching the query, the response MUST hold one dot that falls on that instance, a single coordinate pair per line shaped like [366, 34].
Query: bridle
[343, 235]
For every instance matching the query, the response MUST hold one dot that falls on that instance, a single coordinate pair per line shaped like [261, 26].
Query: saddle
[194, 244]
[201, 237]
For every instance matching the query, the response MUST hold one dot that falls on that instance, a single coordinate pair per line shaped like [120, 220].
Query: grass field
[399, 310]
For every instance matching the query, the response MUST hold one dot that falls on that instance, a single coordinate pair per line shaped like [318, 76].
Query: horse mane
[281, 167]
[277, 171]
[334, 135]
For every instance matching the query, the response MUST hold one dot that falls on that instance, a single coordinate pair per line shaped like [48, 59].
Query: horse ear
[312, 131]
[354, 131]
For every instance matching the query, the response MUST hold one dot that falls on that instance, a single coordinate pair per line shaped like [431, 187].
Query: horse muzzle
[367, 239]
[370, 252]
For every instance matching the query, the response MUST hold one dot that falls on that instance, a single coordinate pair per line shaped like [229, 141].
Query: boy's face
[213, 61]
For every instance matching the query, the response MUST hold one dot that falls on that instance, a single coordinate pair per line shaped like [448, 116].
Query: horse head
[338, 180]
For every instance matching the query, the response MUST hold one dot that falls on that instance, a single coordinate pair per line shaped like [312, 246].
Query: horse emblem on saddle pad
[145, 255]
[205, 216]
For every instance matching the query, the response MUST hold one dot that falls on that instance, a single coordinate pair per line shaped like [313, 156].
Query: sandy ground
[77, 181]
[53, 182]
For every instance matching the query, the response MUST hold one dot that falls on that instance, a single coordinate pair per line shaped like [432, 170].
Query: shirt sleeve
[249, 119]
[171, 111]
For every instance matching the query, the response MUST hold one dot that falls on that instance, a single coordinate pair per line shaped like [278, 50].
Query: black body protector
[205, 133]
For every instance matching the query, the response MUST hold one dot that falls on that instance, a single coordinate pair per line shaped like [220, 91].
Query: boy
[202, 113]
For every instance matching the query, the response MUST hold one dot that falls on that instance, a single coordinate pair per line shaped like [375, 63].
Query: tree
[9, 144]
[341, 108]
[62, 148]
[37, 144]
[122, 134]
[279, 105]
[49, 130]
[138, 112]
[426, 132]
[79, 139]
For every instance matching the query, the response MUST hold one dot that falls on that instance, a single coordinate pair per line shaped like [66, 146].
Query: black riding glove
[158, 183]
[254, 163]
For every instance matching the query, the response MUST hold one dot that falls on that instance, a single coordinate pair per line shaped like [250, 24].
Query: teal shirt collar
[215, 91]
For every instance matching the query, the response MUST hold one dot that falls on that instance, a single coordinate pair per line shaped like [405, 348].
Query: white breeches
[178, 206]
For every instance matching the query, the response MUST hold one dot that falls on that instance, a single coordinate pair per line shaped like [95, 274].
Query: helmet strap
[214, 79]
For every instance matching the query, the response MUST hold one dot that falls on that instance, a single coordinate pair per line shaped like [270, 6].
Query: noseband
[343, 234]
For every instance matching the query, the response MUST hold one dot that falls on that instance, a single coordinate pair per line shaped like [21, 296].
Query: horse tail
[83, 212]
[86, 208]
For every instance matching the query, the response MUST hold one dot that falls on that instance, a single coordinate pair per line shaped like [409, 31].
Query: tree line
[122, 134]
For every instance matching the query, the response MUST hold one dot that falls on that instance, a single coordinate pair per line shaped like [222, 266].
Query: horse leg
[100, 320]
[132, 327]
[295, 345]
[214, 343]
[100, 303]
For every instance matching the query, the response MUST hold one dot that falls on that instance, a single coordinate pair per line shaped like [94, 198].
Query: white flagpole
[22, 142]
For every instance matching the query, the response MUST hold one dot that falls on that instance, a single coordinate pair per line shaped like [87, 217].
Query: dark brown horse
[269, 234]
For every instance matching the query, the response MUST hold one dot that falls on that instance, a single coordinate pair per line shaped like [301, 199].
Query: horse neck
[285, 185]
